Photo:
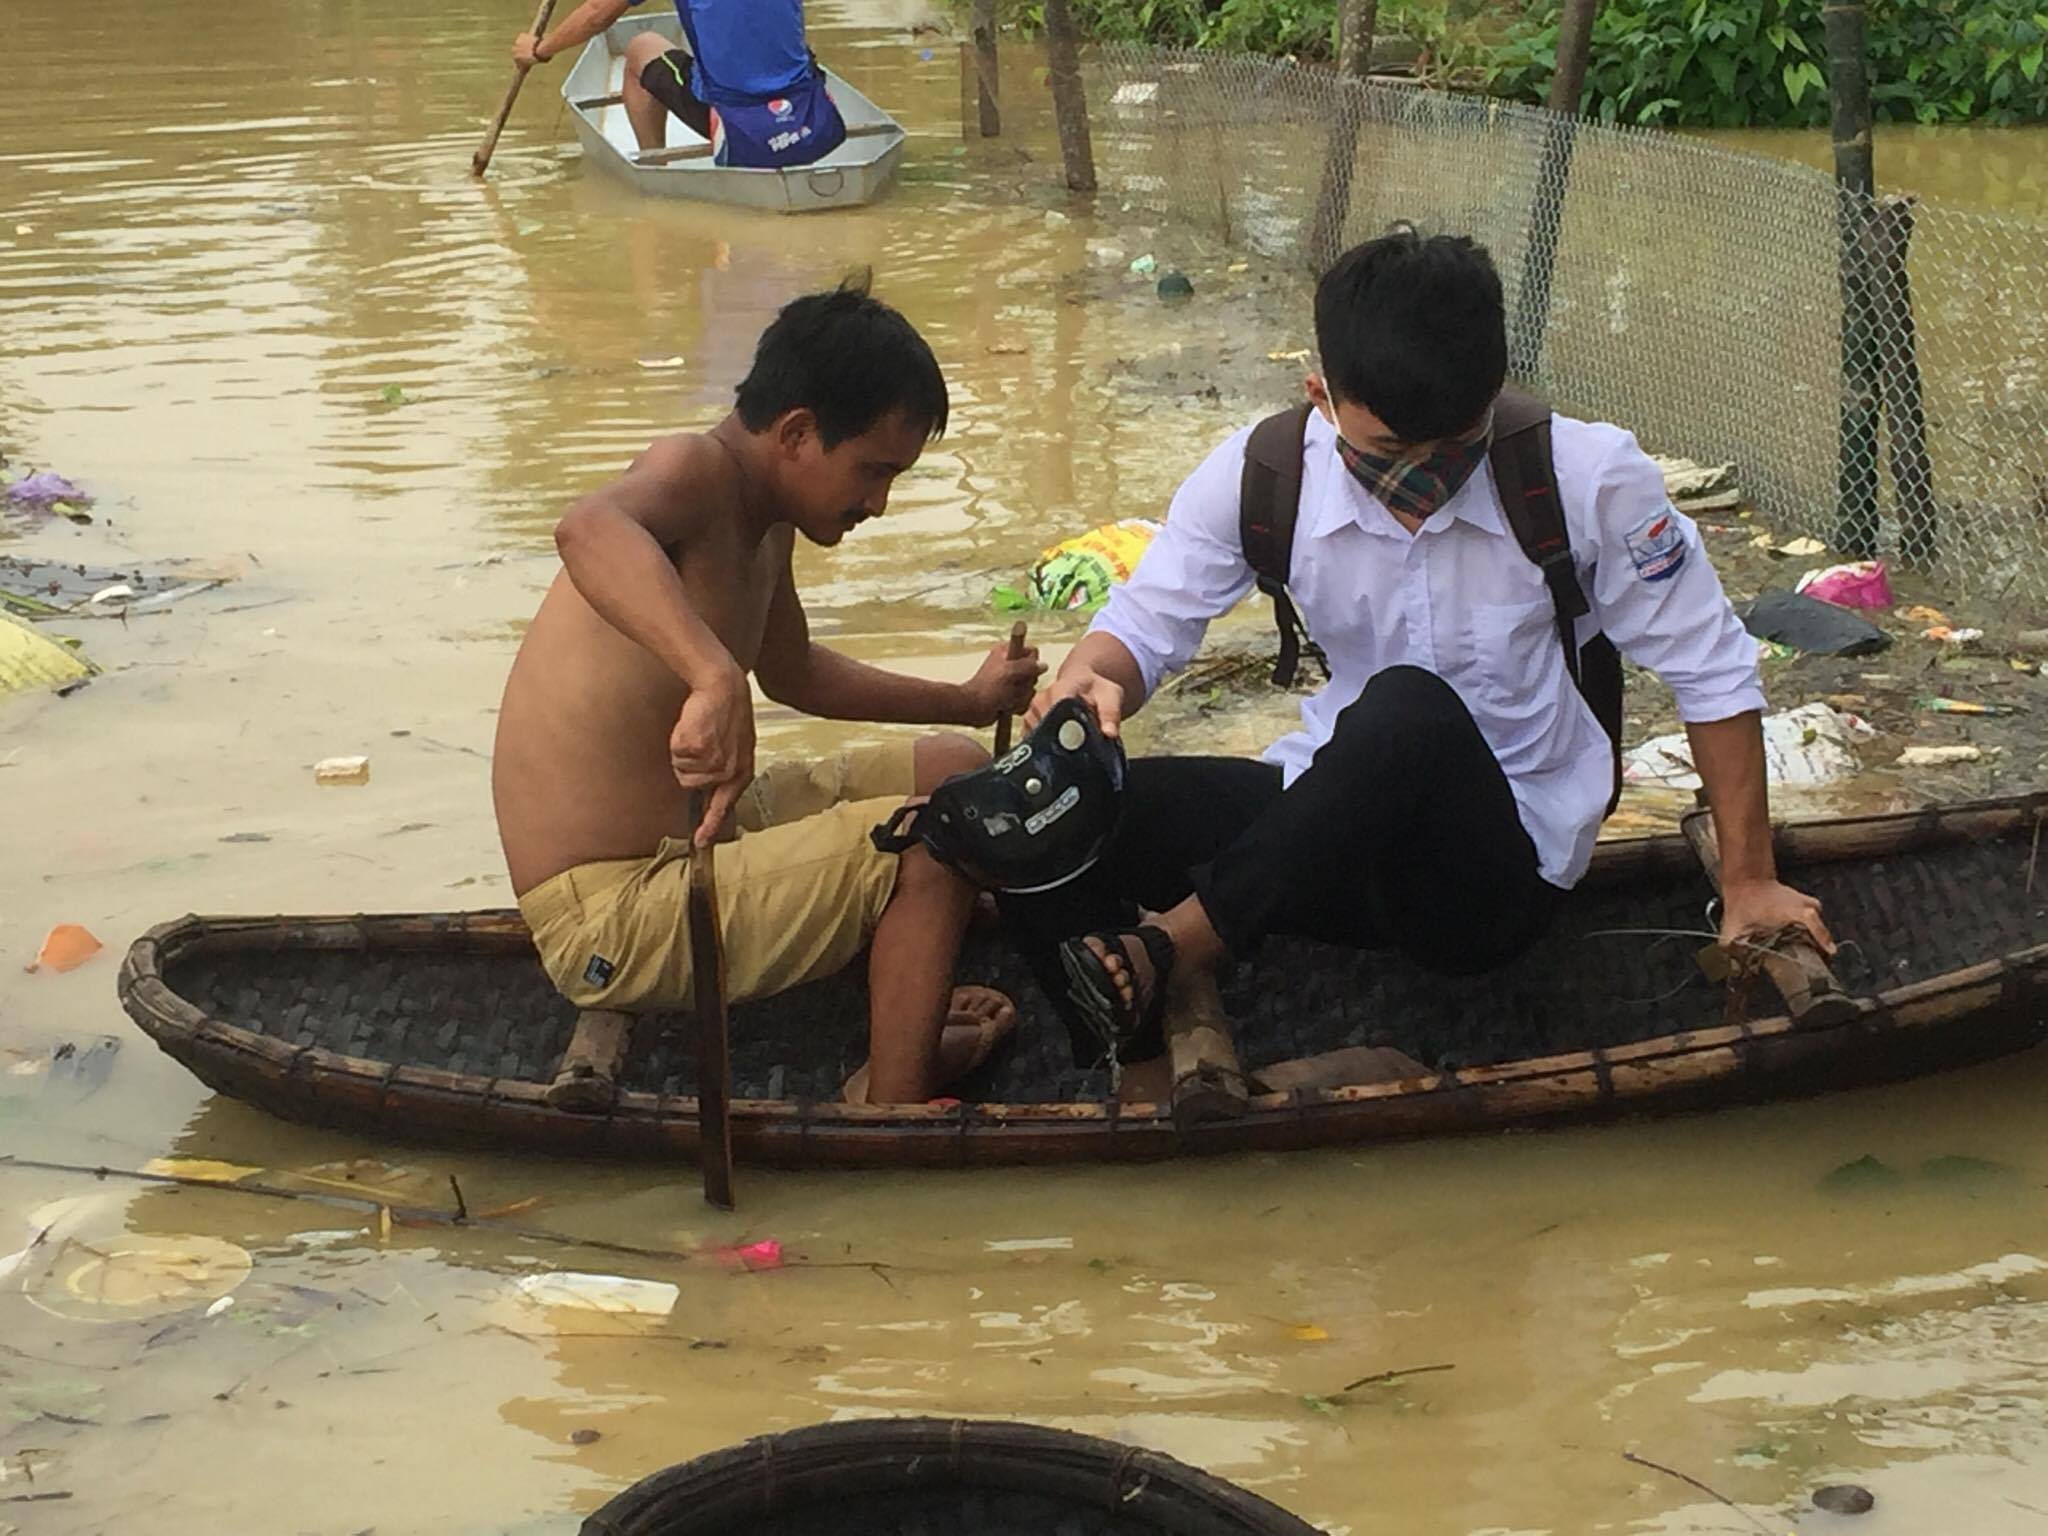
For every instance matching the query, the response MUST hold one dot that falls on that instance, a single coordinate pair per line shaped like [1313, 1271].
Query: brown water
[223, 232]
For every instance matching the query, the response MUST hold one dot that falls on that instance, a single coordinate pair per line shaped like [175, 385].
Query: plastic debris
[1967, 707]
[1807, 624]
[766, 1254]
[1944, 634]
[1174, 286]
[205, 1169]
[29, 660]
[663, 364]
[1077, 573]
[1813, 744]
[1939, 757]
[392, 394]
[1300, 355]
[65, 948]
[1145, 266]
[342, 770]
[1861, 584]
[600, 1293]
[1920, 613]
[136, 1274]
[1695, 488]
[46, 490]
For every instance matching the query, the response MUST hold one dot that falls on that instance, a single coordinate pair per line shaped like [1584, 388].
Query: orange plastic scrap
[67, 947]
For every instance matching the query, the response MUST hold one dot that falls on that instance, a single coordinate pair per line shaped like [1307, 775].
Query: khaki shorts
[799, 892]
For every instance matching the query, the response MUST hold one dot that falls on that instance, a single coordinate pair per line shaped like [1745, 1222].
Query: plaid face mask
[1419, 484]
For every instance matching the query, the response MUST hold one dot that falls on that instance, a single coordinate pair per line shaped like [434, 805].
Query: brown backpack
[1269, 502]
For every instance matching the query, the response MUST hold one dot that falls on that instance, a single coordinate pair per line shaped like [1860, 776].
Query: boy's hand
[1001, 686]
[712, 749]
[1104, 698]
[1752, 907]
[525, 51]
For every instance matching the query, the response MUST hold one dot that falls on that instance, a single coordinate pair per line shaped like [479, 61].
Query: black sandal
[1093, 993]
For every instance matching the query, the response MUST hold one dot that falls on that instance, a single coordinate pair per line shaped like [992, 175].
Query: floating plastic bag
[1078, 572]
[1813, 744]
[1861, 584]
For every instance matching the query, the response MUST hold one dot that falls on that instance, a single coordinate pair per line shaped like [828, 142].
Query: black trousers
[1401, 835]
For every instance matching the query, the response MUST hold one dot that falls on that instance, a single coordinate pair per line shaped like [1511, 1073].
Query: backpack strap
[1268, 504]
[1526, 477]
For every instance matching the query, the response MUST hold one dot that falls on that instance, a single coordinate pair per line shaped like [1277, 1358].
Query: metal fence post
[1357, 22]
[1905, 412]
[1849, 101]
[1069, 97]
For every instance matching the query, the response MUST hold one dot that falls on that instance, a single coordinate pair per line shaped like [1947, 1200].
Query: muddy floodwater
[251, 298]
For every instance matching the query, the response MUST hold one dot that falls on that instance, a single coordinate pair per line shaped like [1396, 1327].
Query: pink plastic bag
[1865, 584]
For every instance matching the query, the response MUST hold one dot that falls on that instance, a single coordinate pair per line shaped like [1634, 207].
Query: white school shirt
[1460, 599]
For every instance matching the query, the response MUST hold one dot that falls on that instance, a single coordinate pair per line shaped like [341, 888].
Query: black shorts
[667, 80]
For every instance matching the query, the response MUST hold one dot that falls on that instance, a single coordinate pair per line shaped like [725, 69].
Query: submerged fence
[1893, 400]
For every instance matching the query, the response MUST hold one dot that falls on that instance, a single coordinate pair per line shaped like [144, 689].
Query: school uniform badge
[1656, 546]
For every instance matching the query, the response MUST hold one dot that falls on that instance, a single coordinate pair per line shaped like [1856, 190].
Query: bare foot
[978, 1019]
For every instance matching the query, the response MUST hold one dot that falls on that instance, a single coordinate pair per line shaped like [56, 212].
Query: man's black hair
[1414, 330]
[850, 360]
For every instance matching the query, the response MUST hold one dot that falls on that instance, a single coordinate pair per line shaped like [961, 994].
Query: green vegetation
[1683, 63]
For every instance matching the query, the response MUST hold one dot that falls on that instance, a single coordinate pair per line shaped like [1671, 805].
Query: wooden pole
[1069, 96]
[1842, 22]
[1003, 721]
[1574, 46]
[1796, 967]
[1553, 180]
[1357, 21]
[481, 160]
[987, 73]
[1905, 411]
[707, 989]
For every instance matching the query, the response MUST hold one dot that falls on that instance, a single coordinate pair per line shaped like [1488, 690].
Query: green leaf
[391, 394]
[2030, 62]
[1795, 82]
[1722, 68]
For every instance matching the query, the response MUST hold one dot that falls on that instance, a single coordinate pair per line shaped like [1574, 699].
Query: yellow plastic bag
[1078, 572]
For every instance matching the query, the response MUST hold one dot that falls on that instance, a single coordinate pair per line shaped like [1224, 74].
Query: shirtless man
[630, 698]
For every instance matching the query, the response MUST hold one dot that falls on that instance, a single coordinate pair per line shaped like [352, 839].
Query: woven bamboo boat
[442, 1027]
[935, 1477]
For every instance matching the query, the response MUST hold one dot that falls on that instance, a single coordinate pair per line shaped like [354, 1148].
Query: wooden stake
[481, 160]
[987, 72]
[1208, 1080]
[707, 997]
[1357, 23]
[1574, 45]
[1796, 967]
[1842, 22]
[1905, 410]
[1003, 721]
[1069, 97]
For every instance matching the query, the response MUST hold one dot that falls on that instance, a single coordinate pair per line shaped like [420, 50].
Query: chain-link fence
[1694, 294]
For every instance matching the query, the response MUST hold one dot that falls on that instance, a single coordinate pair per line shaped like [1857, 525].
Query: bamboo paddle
[481, 161]
[707, 999]
[1003, 721]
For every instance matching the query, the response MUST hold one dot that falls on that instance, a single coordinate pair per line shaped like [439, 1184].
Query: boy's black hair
[1414, 330]
[850, 360]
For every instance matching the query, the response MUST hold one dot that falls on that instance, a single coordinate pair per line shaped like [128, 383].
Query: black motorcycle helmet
[1035, 818]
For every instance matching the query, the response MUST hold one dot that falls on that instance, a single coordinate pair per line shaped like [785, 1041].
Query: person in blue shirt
[747, 82]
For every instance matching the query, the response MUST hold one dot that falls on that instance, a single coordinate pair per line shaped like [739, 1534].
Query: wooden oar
[1004, 720]
[707, 997]
[481, 161]
[1795, 965]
